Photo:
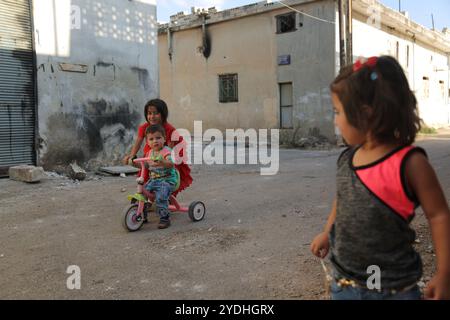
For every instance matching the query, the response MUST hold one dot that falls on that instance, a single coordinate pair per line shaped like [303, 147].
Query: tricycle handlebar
[141, 160]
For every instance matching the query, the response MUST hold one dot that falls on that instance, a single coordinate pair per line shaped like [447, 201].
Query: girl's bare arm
[136, 147]
[321, 244]
[134, 150]
[423, 181]
[331, 218]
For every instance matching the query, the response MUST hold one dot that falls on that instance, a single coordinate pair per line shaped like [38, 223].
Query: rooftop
[181, 20]
[394, 20]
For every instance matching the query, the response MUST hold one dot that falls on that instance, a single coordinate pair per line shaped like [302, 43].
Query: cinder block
[76, 172]
[26, 173]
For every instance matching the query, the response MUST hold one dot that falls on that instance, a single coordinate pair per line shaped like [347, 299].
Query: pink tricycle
[143, 202]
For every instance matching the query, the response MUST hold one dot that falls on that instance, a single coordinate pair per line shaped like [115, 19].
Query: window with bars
[286, 22]
[228, 88]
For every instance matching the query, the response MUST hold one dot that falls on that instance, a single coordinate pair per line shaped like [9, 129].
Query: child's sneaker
[163, 223]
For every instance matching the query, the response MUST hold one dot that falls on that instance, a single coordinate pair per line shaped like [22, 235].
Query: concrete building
[423, 53]
[265, 65]
[74, 77]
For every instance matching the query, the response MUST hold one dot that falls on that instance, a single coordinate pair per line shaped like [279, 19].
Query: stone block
[26, 173]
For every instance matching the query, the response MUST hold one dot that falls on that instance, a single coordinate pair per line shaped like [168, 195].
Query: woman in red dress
[156, 112]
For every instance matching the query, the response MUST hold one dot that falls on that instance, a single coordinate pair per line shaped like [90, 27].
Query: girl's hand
[320, 245]
[438, 288]
[126, 159]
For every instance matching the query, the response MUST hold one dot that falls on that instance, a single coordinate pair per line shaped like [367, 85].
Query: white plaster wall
[371, 41]
[93, 116]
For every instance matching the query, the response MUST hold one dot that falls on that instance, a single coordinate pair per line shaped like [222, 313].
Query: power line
[308, 15]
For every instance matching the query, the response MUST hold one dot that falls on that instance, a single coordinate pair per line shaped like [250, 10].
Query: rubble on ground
[311, 142]
[54, 175]
[75, 172]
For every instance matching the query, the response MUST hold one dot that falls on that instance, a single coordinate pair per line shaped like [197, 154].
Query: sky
[420, 11]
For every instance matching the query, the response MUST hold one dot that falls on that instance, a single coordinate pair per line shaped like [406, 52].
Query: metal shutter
[17, 85]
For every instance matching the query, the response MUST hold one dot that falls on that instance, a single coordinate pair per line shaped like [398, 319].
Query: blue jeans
[162, 190]
[359, 293]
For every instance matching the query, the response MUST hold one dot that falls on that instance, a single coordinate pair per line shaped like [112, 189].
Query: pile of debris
[33, 174]
[312, 142]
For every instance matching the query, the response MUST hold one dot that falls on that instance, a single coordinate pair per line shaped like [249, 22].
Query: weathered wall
[425, 60]
[250, 47]
[190, 85]
[92, 115]
[312, 48]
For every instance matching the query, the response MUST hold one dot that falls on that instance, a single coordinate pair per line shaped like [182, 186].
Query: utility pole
[432, 21]
[349, 32]
[342, 60]
[345, 32]
[399, 5]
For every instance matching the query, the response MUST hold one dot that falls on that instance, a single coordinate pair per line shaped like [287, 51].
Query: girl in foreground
[381, 179]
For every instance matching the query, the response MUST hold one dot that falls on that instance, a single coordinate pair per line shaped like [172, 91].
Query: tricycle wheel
[197, 211]
[131, 221]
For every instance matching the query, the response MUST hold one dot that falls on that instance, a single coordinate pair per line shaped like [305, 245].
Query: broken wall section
[97, 65]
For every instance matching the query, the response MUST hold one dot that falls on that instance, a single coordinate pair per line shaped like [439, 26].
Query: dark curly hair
[155, 128]
[377, 99]
[160, 105]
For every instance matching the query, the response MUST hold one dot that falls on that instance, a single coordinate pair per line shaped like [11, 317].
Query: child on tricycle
[164, 180]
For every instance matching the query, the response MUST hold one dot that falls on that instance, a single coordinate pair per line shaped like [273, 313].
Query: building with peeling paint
[265, 65]
[74, 78]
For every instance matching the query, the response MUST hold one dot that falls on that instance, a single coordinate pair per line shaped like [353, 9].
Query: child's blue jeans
[162, 190]
[360, 293]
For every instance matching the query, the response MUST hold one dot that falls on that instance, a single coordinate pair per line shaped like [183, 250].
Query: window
[426, 87]
[397, 50]
[407, 56]
[442, 88]
[286, 105]
[228, 88]
[286, 22]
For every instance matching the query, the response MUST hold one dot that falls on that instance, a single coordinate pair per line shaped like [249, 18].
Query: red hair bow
[360, 63]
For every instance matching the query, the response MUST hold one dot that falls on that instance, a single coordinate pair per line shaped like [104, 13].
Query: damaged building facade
[265, 65]
[74, 77]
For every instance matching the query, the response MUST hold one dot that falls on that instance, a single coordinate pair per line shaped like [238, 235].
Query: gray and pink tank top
[374, 210]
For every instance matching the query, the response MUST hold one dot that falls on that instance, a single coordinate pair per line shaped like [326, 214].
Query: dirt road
[253, 243]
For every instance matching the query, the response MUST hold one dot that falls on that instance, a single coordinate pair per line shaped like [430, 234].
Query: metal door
[17, 85]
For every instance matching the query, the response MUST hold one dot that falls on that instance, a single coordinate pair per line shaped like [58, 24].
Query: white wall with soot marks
[97, 65]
